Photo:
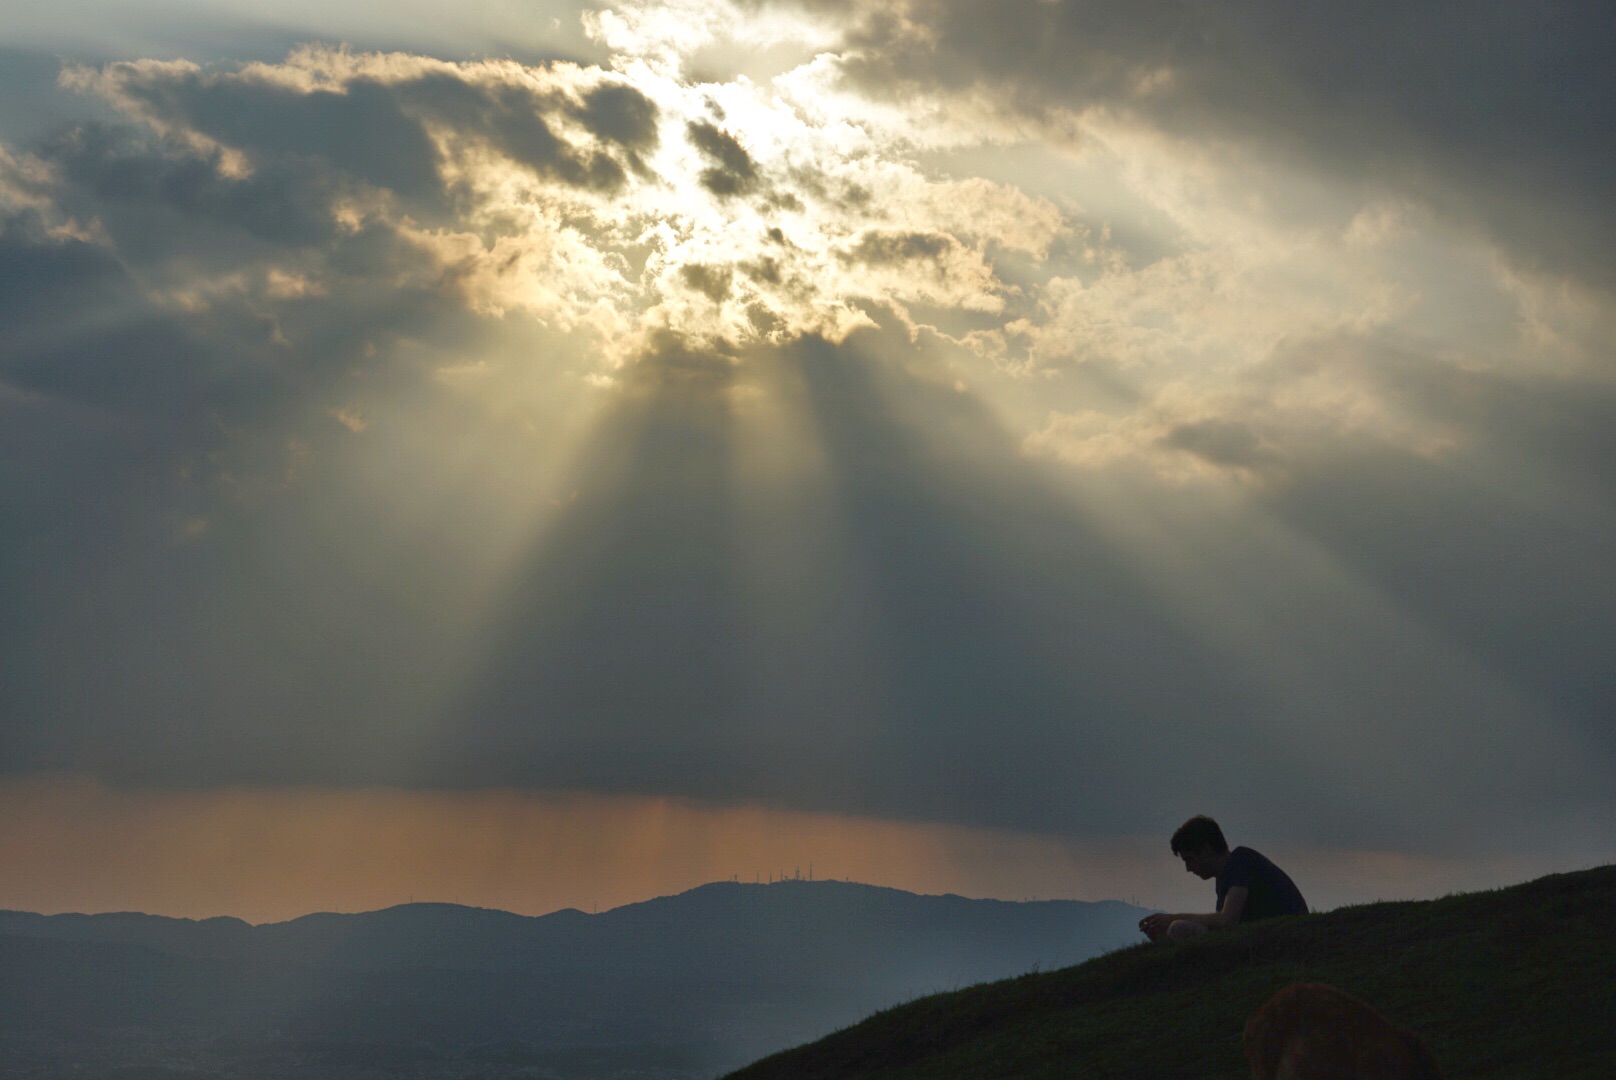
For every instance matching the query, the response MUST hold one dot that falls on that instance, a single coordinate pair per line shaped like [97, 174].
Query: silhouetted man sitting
[1249, 886]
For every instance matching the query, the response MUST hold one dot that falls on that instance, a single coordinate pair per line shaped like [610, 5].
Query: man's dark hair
[1198, 832]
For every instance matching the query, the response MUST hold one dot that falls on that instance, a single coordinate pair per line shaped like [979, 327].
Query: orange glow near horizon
[268, 854]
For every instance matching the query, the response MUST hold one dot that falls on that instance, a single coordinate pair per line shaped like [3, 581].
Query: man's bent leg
[1185, 928]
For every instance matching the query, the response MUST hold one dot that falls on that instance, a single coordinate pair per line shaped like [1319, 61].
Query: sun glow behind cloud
[644, 201]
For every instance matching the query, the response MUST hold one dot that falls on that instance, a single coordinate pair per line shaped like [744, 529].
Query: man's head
[1199, 842]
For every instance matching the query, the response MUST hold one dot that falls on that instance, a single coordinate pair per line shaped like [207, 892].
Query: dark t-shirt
[1270, 891]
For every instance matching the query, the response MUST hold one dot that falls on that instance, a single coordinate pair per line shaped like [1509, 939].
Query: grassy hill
[1515, 982]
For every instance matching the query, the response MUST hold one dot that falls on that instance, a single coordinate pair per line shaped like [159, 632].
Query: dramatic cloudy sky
[543, 455]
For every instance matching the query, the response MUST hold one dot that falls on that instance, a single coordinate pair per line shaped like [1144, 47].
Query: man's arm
[1234, 902]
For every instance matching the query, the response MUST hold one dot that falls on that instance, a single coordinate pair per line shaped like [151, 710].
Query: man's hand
[1155, 926]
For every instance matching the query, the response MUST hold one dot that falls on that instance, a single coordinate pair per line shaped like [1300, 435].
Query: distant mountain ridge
[456, 936]
[722, 973]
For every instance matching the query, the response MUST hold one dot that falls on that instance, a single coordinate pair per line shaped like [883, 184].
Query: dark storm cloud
[621, 113]
[377, 128]
[1497, 112]
[286, 202]
[77, 327]
[32, 101]
[513, 119]
[123, 402]
[82, 325]
[44, 279]
[362, 131]
[1221, 442]
[732, 172]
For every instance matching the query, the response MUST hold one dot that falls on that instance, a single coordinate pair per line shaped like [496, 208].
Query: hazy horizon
[149, 860]
[761, 881]
[561, 454]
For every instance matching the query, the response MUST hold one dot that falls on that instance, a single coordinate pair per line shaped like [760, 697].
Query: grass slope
[1514, 982]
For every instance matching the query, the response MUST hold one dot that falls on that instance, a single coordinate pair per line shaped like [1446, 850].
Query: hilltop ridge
[1518, 982]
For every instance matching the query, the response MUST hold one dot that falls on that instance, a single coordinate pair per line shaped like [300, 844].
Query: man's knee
[1185, 928]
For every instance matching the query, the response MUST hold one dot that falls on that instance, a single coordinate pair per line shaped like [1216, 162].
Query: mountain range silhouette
[685, 985]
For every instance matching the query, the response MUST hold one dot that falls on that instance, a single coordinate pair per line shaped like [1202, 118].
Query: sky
[539, 455]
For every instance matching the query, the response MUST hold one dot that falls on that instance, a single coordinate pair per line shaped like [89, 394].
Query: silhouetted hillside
[682, 985]
[1511, 983]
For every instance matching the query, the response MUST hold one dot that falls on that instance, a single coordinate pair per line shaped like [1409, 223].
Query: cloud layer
[1063, 418]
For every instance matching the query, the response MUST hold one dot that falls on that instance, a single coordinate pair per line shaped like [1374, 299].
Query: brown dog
[1311, 1031]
